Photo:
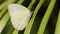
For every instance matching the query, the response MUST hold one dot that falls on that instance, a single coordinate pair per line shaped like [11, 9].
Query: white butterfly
[20, 16]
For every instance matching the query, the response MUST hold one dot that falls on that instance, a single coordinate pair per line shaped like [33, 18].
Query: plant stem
[20, 1]
[15, 31]
[6, 3]
[31, 4]
[3, 11]
[46, 17]
[29, 25]
[8, 28]
[57, 30]
[3, 21]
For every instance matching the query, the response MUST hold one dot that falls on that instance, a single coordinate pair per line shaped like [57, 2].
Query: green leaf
[8, 28]
[31, 4]
[29, 25]
[46, 17]
[3, 21]
[15, 31]
[57, 30]
[4, 4]
[3, 12]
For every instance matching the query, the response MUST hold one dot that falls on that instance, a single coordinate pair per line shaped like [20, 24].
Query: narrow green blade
[57, 30]
[29, 25]
[46, 17]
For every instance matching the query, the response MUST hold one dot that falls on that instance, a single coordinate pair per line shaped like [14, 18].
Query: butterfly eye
[20, 16]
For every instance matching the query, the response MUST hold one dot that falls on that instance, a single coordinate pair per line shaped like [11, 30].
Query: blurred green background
[5, 23]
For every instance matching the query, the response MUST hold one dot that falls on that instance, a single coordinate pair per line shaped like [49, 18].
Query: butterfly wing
[20, 16]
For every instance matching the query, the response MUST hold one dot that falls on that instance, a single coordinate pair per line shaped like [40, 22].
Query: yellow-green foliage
[34, 6]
